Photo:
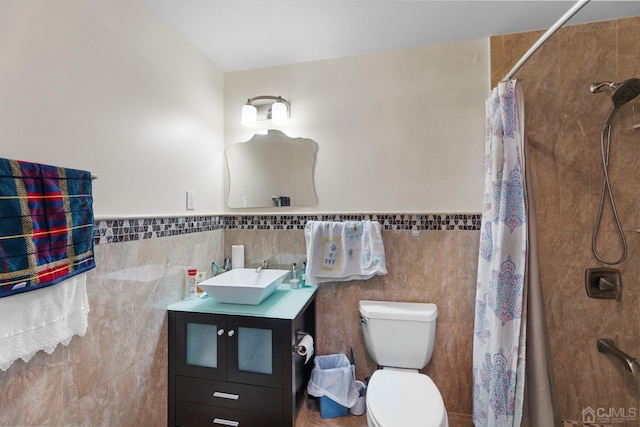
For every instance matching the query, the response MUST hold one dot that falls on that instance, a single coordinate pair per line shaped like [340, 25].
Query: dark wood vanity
[236, 365]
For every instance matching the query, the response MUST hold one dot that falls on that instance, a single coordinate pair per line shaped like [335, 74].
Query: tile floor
[309, 416]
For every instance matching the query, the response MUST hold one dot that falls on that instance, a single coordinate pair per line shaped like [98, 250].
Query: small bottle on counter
[191, 282]
[294, 282]
[200, 277]
[303, 274]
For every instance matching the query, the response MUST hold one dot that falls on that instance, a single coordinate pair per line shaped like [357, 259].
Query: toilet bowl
[400, 338]
[403, 398]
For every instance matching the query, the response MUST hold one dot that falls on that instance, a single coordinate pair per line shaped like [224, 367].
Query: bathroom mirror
[271, 170]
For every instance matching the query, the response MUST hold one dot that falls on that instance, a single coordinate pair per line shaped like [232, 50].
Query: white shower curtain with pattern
[498, 347]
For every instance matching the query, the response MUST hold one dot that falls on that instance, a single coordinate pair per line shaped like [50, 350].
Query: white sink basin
[243, 285]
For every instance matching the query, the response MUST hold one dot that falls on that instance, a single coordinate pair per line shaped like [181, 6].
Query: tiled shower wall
[563, 120]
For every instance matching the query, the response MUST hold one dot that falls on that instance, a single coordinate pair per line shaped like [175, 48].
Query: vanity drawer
[265, 400]
[192, 414]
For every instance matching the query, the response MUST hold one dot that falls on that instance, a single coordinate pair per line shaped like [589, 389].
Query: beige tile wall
[434, 266]
[116, 375]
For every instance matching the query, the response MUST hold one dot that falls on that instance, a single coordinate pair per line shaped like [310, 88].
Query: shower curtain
[512, 383]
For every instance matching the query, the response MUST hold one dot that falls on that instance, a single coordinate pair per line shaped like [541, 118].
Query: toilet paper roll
[237, 256]
[305, 347]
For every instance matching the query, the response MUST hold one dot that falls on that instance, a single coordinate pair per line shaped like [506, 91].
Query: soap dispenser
[294, 282]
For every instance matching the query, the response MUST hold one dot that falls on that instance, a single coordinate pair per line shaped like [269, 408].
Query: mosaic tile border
[419, 222]
[125, 230]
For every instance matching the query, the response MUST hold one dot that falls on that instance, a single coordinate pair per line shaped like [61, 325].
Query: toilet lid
[408, 399]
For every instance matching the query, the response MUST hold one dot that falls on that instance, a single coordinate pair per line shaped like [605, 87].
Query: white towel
[42, 319]
[341, 251]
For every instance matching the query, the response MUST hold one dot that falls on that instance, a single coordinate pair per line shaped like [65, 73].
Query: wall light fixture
[265, 107]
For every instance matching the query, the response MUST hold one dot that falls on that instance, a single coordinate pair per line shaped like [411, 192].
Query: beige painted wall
[110, 87]
[399, 131]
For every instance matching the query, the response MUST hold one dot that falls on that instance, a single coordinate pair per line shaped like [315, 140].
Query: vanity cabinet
[236, 365]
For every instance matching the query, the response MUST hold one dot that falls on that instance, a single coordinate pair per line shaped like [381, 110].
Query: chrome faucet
[264, 264]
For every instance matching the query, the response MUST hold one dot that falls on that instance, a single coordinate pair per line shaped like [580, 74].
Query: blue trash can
[332, 381]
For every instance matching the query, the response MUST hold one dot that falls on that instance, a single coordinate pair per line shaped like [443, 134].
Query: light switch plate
[191, 202]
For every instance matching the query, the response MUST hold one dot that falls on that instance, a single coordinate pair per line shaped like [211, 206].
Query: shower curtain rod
[559, 23]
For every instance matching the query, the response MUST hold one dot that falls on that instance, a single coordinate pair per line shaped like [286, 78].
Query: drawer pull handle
[226, 395]
[220, 332]
[224, 422]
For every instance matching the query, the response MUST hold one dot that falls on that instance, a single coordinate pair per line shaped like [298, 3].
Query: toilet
[400, 337]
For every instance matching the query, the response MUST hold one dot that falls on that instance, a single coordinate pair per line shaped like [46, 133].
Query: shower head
[625, 92]
[622, 93]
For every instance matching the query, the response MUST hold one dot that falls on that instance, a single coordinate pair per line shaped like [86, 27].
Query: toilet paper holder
[299, 335]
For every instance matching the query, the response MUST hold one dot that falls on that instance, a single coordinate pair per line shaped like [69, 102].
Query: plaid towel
[46, 225]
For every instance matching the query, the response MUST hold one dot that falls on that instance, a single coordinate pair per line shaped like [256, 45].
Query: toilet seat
[404, 398]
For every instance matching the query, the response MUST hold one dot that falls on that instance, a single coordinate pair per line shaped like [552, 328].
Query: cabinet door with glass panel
[240, 349]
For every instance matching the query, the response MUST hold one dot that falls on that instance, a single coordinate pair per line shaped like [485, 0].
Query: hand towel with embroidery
[46, 225]
[40, 320]
[342, 251]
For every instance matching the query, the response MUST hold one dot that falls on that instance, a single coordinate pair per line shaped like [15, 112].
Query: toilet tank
[399, 334]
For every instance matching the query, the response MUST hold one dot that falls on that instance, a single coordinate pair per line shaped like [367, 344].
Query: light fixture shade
[249, 116]
[279, 113]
